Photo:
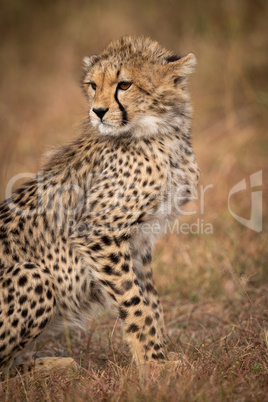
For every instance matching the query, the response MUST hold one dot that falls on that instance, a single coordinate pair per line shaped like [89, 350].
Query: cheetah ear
[89, 61]
[181, 66]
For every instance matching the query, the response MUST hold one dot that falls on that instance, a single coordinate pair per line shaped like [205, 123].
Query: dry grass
[213, 286]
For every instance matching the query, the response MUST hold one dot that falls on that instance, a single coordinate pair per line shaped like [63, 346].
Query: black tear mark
[121, 108]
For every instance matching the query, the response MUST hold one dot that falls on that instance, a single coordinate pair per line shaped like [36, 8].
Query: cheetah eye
[124, 85]
[93, 86]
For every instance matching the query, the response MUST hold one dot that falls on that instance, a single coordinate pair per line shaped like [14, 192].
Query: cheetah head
[137, 87]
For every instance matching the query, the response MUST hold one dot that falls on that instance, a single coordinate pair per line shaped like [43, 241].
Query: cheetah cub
[79, 235]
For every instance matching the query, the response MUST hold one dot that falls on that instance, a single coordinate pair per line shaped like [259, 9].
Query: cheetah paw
[47, 365]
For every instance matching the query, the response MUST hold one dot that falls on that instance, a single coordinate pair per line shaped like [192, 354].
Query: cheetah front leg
[142, 265]
[112, 265]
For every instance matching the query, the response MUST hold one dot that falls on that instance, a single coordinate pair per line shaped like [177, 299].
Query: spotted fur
[79, 235]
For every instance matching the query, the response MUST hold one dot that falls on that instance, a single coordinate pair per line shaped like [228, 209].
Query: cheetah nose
[100, 112]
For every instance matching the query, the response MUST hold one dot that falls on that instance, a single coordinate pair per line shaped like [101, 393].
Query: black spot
[17, 270]
[113, 287]
[43, 324]
[22, 280]
[21, 223]
[39, 312]
[29, 266]
[148, 320]
[12, 339]
[2, 348]
[108, 270]
[150, 288]
[22, 299]
[7, 220]
[114, 258]
[96, 247]
[10, 269]
[152, 331]
[133, 328]
[10, 311]
[15, 323]
[139, 220]
[155, 356]
[30, 323]
[134, 301]
[147, 258]
[106, 240]
[39, 289]
[10, 298]
[24, 313]
[33, 304]
[55, 267]
[22, 331]
[6, 283]
[46, 270]
[148, 170]
[123, 313]
[15, 258]
[49, 294]
[125, 267]
[138, 313]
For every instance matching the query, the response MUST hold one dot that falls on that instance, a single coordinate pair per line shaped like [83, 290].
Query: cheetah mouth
[106, 127]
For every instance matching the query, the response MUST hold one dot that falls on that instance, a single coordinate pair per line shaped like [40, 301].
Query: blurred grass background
[213, 287]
